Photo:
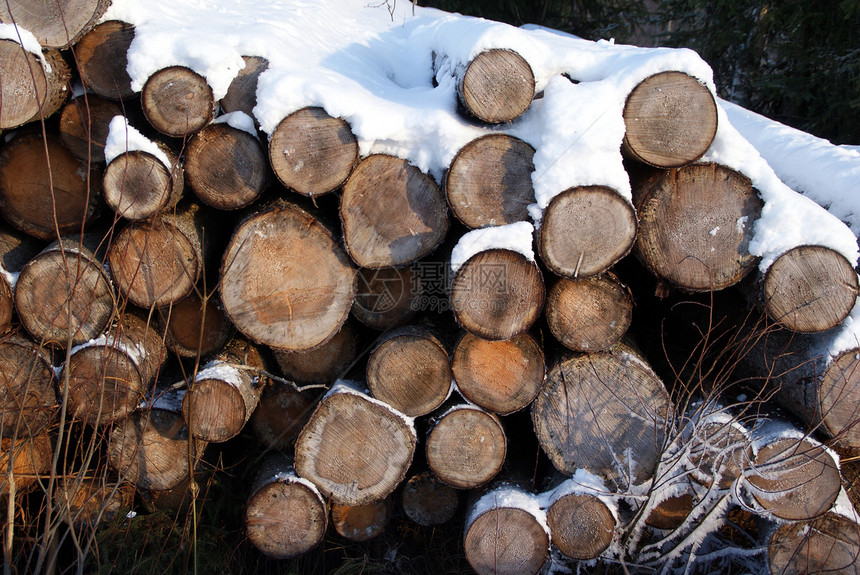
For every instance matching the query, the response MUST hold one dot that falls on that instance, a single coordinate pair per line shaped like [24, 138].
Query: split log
[695, 225]
[500, 376]
[386, 298]
[30, 459]
[151, 448]
[360, 522]
[793, 477]
[285, 281]
[580, 521]
[84, 126]
[28, 400]
[670, 120]
[590, 314]
[177, 101]
[428, 501]
[586, 230]
[506, 533]
[497, 86]
[810, 289]
[64, 296]
[353, 448]
[311, 152]
[285, 516]
[102, 61]
[324, 364]
[392, 214]
[110, 375]
[157, 262]
[466, 446]
[224, 393]
[621, 410]
[30, 91]
[497, 294]
[828, 544]
[16, 249]
[91, 501]
[282, 413]
[489, 182]
[409, 370]
[242, 93]
[44, 198]
[226, 167]
[194, 326]
[55, 24]
[137, 184]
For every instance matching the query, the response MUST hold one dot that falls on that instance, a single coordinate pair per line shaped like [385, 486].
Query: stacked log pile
[180, 279]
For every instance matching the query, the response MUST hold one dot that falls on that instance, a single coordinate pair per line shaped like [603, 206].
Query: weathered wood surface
[497, 86]
[195, 326]
[428, 501]
[102, 59]
[177, 101]
[84, 126]
[829, 544]
[242, 94]
[323, 364]
[30, 91]
[28, 400]
[55, 24]
[138, 185]
[360, 522]
[466, 446]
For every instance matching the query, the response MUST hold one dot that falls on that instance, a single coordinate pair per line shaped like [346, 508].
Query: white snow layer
[123, 137]
[515, 237]
[27, 41]
[238, 120]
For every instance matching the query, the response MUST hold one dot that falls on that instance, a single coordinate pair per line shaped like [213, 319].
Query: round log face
[55, 24]
[839, 398]
[586, 230]
[194, 328]
[386, 298]
[64, 298]
[506, 541]
[428, 501]
[311, 152]
[285, 519]
[281, 414]
[28, 402]
[695, 226]
[810, 289]
[104, 384]
[606, 412]
[242, 94]
[325, 363]
[489, 182]
[500, 376]
[582, 526]
[215, 408]
[177, 101]
[466, 448]
[137, 185]
[84, 126]
[670, 120]
[31, 457]
[794, 479]
[829, 544]
[102, 61]
[21, 98]
[226, 167]
[360, 522]
[497, 294]
[7, 305]
[392, 214]
[285, 281]
[497, 86]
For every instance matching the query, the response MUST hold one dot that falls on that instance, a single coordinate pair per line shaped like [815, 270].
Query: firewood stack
[329, 304]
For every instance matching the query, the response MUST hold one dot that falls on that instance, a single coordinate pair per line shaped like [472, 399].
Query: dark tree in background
[796, 61]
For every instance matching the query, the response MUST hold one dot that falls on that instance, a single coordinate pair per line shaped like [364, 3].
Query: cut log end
[57, 24]
[322, 365]
[29, 91]
[386, 298]
[506, 541]
[29, 402]
[281, 414]
[84, 126]
[497, 86]
[177, 101]
[102, 62]
[829, 544]
[466, 447]
[30, 459]
[105, 384]
[582, 526]
[360, 522]
[194, 327]
[839, 398]
[137, 185]
[428, 501]
[242, 94]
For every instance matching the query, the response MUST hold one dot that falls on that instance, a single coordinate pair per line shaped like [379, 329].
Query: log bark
[242, 93]
[810, 289]
[581, 524]
[177, 101]
[16, 249]
[606, 412]
[56, 24]
[489, 182]
[590, 314]
[428, 501]
[30, 459]
[499, 376]
[224, 393]
[91, 501]
[586, 230]
[322, 365]
[282, 413]
[828, 544]
[29, 91]
[360, 522]
[110, 375]
[670, 120]
[43, 198]
[497, 86]
[312, 153]
[226, 167]
[355, 449]
[195, 326]
[158, 262]
[285, 516]
[466, 446]
[506, 534]
[101, 55]
[392, 214]
[386, 298]
[285, 281]
[84, 126]
[150, 448]
[409, 370]
[497, 294]
[28, 400]
[695, 225]
[64, 296]
[138, 185]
